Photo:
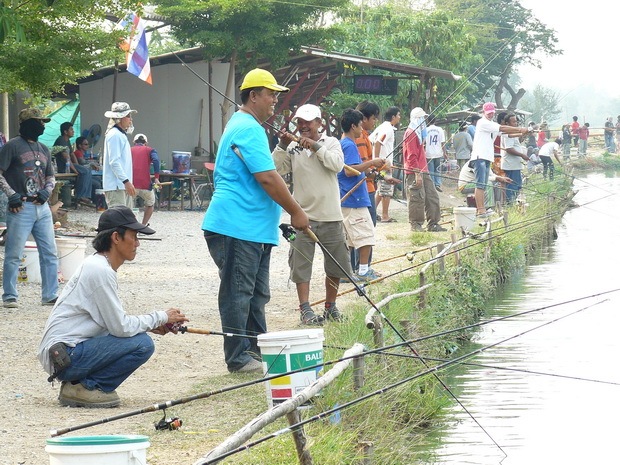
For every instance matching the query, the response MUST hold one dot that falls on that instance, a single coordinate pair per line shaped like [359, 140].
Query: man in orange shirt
[371, 113]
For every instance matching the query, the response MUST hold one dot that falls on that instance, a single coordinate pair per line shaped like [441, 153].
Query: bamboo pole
[258, 423]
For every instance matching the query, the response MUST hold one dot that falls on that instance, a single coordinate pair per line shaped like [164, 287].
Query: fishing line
[340, 407]
[517, 370]
[400, 335]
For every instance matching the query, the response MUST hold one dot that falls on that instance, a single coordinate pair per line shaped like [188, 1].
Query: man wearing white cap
[143, 157]
[482, 151]
[117, 165]
[315, 160]
[241, 223]
[421, 192]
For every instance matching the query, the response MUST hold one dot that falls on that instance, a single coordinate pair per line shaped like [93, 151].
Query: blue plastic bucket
[181, 162]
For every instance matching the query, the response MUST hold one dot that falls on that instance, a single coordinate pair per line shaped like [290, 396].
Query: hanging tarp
[68, 112]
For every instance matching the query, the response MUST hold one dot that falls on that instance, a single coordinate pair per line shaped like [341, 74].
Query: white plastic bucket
[29, 268]
[181, 162]
[71, 251]
[464, 217]
[98, 450]
[285, 351]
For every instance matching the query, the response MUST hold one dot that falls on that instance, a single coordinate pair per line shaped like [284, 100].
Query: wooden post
[358, 373]
[457, 254]
[378, 335]
[299, 437]
[505, 218]
[441, 260]
[422, 299]
[367, 449]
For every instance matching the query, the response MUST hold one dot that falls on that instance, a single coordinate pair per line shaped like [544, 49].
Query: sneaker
[252, 365]
[50, 303]
[369, 276]
[308, 317]
[332, 313]
[416, 227]
[76, 395]
[436, 228]
[10, 303]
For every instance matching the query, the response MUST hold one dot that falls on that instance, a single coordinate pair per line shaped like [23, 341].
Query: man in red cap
[482, 152]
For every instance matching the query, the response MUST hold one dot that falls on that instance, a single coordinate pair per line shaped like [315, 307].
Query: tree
[243, 31]
[544, 104]
[394, 31]
[45, 44]
[508, 35]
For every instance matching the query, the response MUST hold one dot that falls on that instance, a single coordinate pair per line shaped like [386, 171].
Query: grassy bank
[396, 416]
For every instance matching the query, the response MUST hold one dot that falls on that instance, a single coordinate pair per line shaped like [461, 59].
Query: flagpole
[115, 79]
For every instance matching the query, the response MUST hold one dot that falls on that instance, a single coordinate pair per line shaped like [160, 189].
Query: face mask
[31, 129]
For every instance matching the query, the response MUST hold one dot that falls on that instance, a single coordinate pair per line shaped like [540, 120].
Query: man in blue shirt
[241, 224]
[357, 221]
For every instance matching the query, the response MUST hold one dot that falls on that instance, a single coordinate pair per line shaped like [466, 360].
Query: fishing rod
[185, 329]
[363, 294]
[92, 236]
[340, 407]
[226, 97]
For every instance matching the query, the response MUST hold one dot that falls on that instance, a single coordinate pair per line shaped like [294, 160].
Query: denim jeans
[547, 166]
[35, 219]
[105, 362]
[84, 182]
[433, 169]
[513, 188]
[244, 292]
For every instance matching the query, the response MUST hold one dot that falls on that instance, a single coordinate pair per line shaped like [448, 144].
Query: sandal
[308, 317]
[389, 220]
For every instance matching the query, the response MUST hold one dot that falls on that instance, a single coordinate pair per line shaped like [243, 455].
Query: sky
[590, 65]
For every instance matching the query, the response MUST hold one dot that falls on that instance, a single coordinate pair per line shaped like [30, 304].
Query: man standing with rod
[315, 161]
[241, 224]
[482, 152]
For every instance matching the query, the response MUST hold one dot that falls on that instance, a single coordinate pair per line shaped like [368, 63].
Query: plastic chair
[198, 191]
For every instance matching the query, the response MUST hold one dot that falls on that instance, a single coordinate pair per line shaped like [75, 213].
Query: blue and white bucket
[98, 450]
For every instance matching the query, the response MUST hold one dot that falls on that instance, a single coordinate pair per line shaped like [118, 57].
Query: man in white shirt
[545, 152]
[482, 151]
[383, 147]
[435, 150]
[513, 154]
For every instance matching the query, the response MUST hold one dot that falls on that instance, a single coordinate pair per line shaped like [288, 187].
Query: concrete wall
[168, 111]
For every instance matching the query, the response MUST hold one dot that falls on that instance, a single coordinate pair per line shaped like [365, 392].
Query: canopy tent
[70, 111]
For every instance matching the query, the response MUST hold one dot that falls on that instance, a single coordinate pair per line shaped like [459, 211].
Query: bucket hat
[119, 110]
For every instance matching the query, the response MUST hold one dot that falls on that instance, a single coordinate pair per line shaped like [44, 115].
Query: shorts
[481, 170]
[118, 197]
[147, 195]
[301, 253]
[358, 226]
[385, 189]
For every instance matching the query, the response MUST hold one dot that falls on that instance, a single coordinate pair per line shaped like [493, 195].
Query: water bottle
[68, 167]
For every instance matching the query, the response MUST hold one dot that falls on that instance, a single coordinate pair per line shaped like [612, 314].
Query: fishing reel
[288, 232]
[169, 424]
[378, 175]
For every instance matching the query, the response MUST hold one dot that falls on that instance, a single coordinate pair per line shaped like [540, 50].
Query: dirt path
[174, 272]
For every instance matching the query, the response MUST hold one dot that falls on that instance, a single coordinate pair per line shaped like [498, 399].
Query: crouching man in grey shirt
[89, 342]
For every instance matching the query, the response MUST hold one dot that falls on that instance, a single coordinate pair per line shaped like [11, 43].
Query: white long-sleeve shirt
[88, 307]
[117, 164]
